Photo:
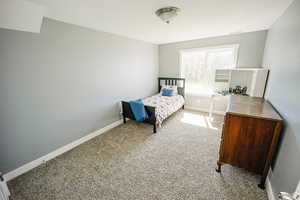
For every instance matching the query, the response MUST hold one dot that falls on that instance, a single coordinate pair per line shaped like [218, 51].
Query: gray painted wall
[282, 57]
[64, 83]
[250, 51]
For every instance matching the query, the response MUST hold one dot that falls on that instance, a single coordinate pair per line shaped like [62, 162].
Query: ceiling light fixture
[167, 13]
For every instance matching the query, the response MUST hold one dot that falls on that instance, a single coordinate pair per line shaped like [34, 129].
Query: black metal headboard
[179, 82]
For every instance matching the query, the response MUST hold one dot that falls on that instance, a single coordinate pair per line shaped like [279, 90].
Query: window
[198, 66]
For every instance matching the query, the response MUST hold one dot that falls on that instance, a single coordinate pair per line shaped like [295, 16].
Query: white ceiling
[197, 19]
[21, 15]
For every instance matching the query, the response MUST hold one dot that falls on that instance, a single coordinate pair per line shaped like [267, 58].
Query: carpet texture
[130, 162]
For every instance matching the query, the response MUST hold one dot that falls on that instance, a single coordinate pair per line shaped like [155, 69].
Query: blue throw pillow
[167, 92]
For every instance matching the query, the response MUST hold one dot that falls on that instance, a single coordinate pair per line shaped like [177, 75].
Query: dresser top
[253, 107]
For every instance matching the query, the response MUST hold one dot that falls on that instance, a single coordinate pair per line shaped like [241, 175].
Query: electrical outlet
[297, 192]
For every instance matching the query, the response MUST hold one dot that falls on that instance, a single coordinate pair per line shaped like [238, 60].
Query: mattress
[164, 106]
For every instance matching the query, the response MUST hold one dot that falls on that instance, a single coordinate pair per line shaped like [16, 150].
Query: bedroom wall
[282, 57]
[64, 83]
[251, 51]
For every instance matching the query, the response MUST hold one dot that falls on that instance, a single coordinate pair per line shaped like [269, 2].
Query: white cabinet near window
[259, 81]
[254, 79]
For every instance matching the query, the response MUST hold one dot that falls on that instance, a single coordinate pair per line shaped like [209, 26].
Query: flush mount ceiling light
[167, 13]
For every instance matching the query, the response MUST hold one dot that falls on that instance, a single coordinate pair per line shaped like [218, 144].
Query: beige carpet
[130, 162]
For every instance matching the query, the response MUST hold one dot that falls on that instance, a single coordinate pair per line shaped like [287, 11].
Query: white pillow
[174, 87]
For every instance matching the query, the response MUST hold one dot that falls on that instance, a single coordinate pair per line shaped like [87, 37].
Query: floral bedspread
[164, 106]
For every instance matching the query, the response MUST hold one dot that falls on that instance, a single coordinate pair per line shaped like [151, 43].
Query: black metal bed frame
[127, 112]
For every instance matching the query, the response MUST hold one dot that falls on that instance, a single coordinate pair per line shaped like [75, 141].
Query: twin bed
[159, 107]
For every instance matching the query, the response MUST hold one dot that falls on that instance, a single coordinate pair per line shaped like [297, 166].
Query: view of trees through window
[199, 66]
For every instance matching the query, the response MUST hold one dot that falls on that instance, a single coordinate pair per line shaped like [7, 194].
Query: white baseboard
[25, 168]
[204, 110]
[269, 188]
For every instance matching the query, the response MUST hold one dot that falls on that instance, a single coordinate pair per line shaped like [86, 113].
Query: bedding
[164, 105]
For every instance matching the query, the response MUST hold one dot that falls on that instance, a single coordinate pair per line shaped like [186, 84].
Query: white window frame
[235, 46]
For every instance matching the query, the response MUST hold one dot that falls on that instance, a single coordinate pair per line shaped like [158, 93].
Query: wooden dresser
[250, 135]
